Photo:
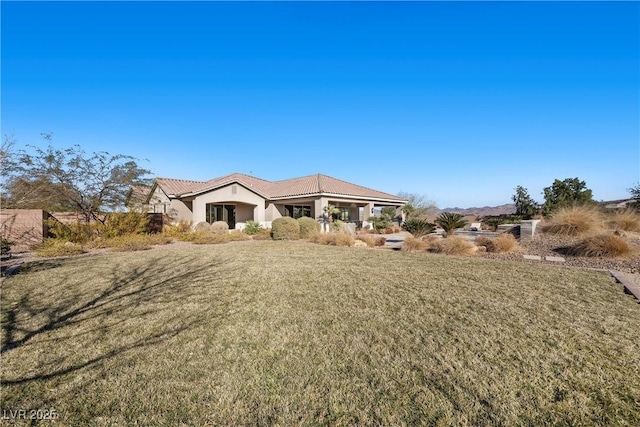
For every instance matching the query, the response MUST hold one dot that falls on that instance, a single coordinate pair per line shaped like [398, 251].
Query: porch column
[368, 211]
[259, 213]
[318, 211]
[199, 211]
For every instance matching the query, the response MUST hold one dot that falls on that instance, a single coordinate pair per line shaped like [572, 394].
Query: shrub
[58, 247]
[179, 228]
[201, 226]
[411, 244]
[577, 220]
[379, 241]
[454, 246]
[77, 232]
[332, 239]
[431, 241]
[207, 238]
[505, 242]
[130, 242]
[379, 223]
[486, 242]
[450, 221]
[285, 228]
[336, 225]
[418, 227]
[219, 227]
[307, 226]
[602, 245]
[627, 220]
[263, 234]
[340, 239]
[120, 224]
[237, 235]
[369, 240]
[252, 227]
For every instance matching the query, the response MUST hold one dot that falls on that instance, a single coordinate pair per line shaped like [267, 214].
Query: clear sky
[458, 101]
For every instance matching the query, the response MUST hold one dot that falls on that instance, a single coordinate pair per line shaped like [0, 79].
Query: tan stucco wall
[180, 211]
[157, 199]
[225, 195]
[25, 228]
[244, 212]
[272, 212]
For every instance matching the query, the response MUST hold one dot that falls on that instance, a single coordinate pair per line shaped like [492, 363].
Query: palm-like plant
[449, 221]
[417, 226]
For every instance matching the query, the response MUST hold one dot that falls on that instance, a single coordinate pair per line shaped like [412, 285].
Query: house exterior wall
[159, 202]
[244, 212]
[180, 211]
[231, 196]
[272, 212]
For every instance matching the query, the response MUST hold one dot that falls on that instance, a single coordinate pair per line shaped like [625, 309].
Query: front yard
[292, 333]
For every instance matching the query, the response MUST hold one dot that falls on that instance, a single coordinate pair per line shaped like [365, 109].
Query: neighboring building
[238, 198]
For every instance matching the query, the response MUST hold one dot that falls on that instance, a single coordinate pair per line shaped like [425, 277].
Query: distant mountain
[484, 211]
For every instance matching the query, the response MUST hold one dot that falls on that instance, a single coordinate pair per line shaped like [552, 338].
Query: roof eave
[344, 196]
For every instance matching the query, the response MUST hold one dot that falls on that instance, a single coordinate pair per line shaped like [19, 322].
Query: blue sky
[458, 101]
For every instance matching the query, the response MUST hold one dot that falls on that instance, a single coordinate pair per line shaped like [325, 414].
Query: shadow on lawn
[153, 283]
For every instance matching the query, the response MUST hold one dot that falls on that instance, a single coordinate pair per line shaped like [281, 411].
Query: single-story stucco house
[238, 198]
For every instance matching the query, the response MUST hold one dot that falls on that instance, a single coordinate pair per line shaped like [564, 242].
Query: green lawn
[291, 333]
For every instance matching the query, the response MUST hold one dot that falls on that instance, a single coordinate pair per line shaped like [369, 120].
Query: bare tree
[418, 205]
[70, 178]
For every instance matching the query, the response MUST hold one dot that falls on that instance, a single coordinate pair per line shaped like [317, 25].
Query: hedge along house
[238, 198]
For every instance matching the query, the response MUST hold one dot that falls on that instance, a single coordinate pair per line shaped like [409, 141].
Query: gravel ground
[547, 245]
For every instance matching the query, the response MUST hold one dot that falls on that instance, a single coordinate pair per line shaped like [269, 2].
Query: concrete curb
[631, 282]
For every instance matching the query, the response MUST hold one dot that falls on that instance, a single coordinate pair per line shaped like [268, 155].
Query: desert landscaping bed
[295, 333]
[548, 245]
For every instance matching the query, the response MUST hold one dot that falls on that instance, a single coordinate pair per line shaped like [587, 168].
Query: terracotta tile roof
[256, 184]
[323, 184]
[139, 193]
[178, 186]
[303, 186]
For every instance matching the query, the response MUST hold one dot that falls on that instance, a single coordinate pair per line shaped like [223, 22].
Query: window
[343, 215]
[216, 212]
[160, 208]
[297, 211]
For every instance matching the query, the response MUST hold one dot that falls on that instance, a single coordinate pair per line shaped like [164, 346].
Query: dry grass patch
[454, 246]
[503, 243]
[603, 245]
[627, 220]
[332, 239]
[288, 333]
[412, 244]
[58, 247]
[379, 241]
[369, 240]
[575, 221]
[262, 234]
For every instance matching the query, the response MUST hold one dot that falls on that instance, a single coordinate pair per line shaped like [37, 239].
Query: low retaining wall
[25, 228]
